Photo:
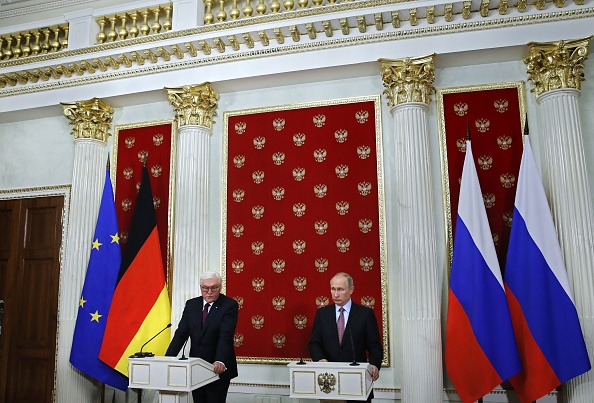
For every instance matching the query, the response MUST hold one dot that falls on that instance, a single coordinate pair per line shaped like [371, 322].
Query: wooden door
[30, 240]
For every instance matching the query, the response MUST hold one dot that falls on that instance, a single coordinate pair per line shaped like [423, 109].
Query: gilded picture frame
[384, 320]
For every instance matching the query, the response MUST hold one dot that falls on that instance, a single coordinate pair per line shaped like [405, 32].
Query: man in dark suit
[358, 326]
[210, 322]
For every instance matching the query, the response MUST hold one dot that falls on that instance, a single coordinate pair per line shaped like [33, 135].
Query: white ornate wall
[36, 149]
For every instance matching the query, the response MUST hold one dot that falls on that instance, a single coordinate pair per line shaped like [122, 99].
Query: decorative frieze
[409, 79]
[127, 46]
[555, 65]
[194, 104]
[90, 119]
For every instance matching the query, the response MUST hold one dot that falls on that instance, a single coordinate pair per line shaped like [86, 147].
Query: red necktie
[340, 325]
[205, 312]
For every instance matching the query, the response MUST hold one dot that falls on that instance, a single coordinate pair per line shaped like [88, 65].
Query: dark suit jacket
[212, 341]
[361, 330]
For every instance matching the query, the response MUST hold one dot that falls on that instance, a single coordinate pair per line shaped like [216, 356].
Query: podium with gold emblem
[330, 380]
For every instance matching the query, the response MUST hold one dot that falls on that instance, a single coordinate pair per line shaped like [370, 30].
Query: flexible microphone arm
[301, 362]
[354, 363]
[183, 357]
[141, 354]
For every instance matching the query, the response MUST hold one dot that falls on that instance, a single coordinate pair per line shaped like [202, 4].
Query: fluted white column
[418, 271]
[571, 203]
[88, 177]
[191, 210]
[418, 274]
[194, 105]
[555, 68]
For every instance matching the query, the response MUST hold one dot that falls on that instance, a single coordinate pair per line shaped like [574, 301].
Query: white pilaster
[571, 204]
[87, 184]
[83, 29]
[191, 209]
[419, 276]
[187, 14]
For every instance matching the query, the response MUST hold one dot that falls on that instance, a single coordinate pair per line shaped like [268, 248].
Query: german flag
[140, 307]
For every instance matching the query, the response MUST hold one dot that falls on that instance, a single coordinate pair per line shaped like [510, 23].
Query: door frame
[48, 191]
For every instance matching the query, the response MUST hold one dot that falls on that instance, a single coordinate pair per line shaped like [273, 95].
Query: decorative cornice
[194, 104]
[213, 44]
[409, 79]
[90, 119]
[28, 9]
[555, 65]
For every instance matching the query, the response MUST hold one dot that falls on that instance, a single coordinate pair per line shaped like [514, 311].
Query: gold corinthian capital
[555, 65]
[409, 79]
[193, 104]
[90, 119]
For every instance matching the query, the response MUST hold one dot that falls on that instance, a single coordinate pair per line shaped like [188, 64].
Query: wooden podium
[330, 380]
[172, 377]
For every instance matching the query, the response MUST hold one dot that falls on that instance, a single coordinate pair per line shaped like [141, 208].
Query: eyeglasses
[212, 288]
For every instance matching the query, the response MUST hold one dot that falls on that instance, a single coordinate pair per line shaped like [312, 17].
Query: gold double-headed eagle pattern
[313, 215]
[496, 146]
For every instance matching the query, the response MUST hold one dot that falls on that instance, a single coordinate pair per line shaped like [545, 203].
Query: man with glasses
[210, 322]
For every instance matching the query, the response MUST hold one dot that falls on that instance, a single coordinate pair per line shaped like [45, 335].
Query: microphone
[354, 363]
[301, 362]
[140, 354]
[183, 357]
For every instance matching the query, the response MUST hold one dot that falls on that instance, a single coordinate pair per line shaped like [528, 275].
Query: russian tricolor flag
[480, 350]
[545, 320]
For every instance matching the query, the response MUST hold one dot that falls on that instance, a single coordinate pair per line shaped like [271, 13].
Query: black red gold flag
[140, 307]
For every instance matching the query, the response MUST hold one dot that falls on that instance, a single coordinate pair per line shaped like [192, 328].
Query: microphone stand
[183, 357]
[354, 363]
[301, 362]
[143, 355]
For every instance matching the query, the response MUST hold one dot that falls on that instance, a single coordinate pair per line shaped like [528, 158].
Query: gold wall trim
[43, 191]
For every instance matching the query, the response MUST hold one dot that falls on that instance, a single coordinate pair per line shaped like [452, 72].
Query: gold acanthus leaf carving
[194, 104]
[409, 79]
[90, 119]
[556, 65]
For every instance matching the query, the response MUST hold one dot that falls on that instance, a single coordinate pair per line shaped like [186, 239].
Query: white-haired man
[210, 321]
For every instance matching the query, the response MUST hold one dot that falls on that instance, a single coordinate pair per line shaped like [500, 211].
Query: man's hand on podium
[219, 367]
[374, 372]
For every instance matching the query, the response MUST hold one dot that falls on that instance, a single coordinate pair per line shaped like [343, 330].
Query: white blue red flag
[480, 349]
[545, 320]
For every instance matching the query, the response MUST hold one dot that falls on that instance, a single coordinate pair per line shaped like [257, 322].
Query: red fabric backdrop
[494, 117]
[302, 205]
[150, 142]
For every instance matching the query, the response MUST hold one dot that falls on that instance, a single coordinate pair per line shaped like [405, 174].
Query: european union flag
[97, 293]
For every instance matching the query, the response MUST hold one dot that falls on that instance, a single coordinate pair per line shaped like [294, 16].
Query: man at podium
[210, 322]
[346, 331]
